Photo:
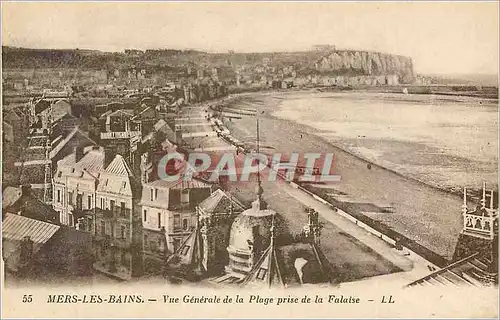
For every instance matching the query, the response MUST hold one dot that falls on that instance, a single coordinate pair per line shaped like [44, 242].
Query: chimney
[109, 155]
[78, 150]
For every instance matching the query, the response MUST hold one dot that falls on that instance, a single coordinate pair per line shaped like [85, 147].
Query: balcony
[481, 226]
[115, 213]
[120, 135]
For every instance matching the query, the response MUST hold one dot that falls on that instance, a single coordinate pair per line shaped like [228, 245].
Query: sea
[447, 142]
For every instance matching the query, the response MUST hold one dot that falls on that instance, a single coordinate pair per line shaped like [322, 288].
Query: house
[169, 216]
[23, 202]
[44, 112]
[120, 133]
[117, 231]
[41, 250]
[41, 155]
[146, 116]
[203, 252]
[74, 186]
[15, 125]
[259, 251]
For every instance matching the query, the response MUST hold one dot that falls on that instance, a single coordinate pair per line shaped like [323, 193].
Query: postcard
[249, 159]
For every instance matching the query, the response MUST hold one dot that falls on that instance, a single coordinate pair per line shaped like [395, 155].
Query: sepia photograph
[253, 159]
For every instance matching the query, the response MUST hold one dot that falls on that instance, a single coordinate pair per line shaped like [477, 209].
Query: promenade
[354, 253]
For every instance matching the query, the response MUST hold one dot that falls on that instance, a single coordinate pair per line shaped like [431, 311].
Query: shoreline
[312, 132]
[432, 220]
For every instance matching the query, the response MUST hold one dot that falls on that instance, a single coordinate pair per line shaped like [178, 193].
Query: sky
[441, 37]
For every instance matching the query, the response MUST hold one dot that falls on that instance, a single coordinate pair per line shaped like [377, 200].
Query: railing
[120, 135]
[482, 225]
[115, 212]
[443, 270]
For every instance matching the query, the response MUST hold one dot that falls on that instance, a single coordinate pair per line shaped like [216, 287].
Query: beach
[416, 204]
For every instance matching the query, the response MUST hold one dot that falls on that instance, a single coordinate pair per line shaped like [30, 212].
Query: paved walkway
[354, 253]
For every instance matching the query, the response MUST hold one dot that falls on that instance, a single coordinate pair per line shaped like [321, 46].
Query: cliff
[304, 63]
[367, 63]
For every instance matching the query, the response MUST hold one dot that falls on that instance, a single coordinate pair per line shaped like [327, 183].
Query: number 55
[27, 298]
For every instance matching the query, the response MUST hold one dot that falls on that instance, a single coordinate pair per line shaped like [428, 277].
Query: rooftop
[220, 202]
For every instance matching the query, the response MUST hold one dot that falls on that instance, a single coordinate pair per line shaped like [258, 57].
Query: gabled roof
[267, 271]
[119, 167]
[10, 195]
[15, 228]
[41, 105]
[189, 253]
[91, 164]
[180, 184]
[75, 133]
[30, 206]
[117, 178]
[63, 116]
[221, 202]
[121, 112]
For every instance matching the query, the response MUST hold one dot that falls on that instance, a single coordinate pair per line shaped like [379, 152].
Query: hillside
[340, 62]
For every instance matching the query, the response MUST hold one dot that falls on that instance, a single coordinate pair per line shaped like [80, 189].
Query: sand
[423, 213]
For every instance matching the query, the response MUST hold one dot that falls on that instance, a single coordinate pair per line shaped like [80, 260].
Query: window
[112, 205]
[185, 224]
[261, 274]
[156, 193]
[122, 209]
[59, 196]
[71, 222]
[103, 203]
[177, 221]
[70, 197]
[103, 227]
[159, 220]
[122, 232]
[79, 201]
[145, 214]
[185, 196]
[124, 185]
[89, 202]
[152, 194]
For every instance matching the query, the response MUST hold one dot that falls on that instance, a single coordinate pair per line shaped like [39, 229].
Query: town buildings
[168, 215]
[117, 231]
[75, 184]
